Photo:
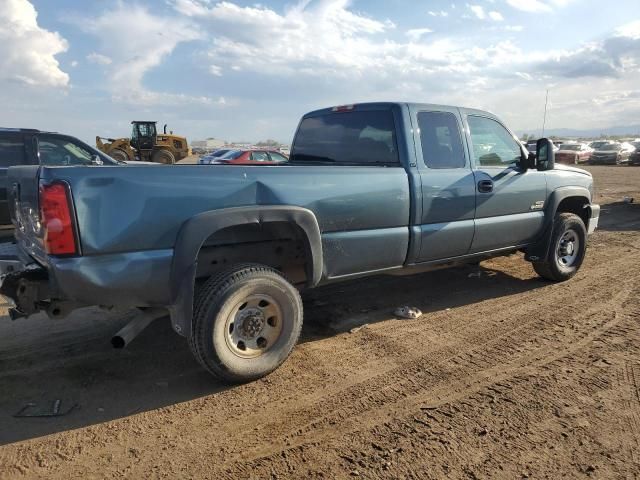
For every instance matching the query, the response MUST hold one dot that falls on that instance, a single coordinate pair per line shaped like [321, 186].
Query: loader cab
[143, 135]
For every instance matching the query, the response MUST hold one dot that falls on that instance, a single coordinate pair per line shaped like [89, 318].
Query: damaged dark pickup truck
[224, 250]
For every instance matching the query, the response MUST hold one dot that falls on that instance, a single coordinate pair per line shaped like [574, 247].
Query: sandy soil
[505, 376]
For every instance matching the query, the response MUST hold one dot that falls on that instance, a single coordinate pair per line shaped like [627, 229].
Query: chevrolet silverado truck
[224, 250]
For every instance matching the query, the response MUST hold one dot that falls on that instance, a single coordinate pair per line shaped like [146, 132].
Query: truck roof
[377, 105]
[23, 130]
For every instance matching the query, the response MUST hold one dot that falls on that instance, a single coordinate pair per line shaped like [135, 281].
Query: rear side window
[11, 151]
[259, 157]
[276, 157]
[440, 138]
[349, 138]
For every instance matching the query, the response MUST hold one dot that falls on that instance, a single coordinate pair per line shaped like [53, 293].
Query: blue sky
[239, 70]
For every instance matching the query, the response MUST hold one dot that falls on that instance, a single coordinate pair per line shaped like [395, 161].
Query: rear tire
[163, 156]
[246, 322]
[119, 155]
[567, 249]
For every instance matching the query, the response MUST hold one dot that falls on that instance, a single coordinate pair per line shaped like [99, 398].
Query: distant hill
[628, 130]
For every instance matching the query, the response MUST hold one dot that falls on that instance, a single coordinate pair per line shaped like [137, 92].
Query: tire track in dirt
[477, 371]
[488, 382]
[456, 355]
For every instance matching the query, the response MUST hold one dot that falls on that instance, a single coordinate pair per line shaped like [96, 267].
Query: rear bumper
[138, 279]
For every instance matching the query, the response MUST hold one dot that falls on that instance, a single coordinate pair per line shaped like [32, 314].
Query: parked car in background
[634, 158]
[611, 153]
[250, 157]
[573, 153]
[210, 157]
[531, 146]
[598, 143]
[20, 146]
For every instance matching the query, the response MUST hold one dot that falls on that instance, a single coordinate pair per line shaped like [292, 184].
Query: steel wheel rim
[567, 248]
[253, 326]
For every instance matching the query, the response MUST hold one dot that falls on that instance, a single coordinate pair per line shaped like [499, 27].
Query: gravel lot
[505, 376]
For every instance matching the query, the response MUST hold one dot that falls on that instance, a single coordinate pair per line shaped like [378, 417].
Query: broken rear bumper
[135, 279]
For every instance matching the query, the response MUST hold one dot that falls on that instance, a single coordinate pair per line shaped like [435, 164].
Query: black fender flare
[197, 229]
[539, 250]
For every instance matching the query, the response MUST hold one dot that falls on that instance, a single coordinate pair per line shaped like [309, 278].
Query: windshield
[349, 138]
[570, 147]
[608, 147]
[56, 150]
[219, 153]
[231, 155]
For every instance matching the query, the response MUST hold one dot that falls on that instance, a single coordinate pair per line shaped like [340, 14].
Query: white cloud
[630, 30]
[215, 70]
[27, 51]
[478, 11]
[441, 13]
[416, 34]
[537, 6]
[529, 5]
[74, 63]
[134, 41]
[98, 58]
[496, 16]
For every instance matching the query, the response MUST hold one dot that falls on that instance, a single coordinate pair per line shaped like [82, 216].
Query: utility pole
[544, 121]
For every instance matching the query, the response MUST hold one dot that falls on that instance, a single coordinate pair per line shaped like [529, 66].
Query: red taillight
[57, 221]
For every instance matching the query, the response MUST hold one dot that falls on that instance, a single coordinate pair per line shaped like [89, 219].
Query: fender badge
[539, 205]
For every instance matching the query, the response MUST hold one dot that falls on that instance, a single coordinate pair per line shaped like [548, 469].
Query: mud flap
[539, 250]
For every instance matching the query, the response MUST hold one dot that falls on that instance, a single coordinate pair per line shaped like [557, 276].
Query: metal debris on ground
[31, 409]
[477, 274]
[357, 329]
[408, 312]
[628, 199]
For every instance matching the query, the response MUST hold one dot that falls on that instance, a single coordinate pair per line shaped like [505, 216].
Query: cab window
[11, 151]
[259, 157]
[493, 145]
[360, 138]
[440, 138]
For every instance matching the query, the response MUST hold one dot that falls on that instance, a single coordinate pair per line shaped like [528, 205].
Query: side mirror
[546, 157]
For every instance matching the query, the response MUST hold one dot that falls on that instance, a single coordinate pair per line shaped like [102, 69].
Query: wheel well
[280, 245]
[576, 205]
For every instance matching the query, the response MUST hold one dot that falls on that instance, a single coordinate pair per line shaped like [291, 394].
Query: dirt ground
[505, 376]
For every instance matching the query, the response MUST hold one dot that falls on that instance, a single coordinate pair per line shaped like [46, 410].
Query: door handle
[485, 186]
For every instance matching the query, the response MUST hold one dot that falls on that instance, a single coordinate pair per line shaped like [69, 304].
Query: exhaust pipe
[132, 329]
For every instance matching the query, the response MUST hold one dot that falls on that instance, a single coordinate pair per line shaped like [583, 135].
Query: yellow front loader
[146, 145]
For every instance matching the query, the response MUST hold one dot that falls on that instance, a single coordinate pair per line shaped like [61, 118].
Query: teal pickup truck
[224, 250]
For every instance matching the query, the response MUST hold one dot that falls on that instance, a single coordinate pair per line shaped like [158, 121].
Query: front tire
[567, 249]
[246, 322]
[163, 156]
[119, 155]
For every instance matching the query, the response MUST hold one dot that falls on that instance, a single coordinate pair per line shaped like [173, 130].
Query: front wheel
[246, 322]
[566, 250]
[163, 156]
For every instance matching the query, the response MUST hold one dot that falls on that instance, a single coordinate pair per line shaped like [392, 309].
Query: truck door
[509, 200]
[448, 186]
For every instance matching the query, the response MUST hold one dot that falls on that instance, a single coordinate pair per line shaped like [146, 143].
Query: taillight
[57, 219]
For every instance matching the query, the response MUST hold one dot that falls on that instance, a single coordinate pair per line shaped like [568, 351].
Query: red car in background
[250, 157]
[573, 153]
